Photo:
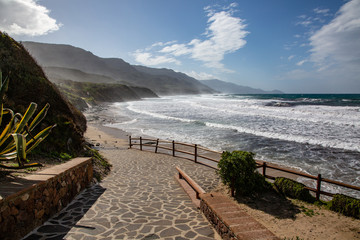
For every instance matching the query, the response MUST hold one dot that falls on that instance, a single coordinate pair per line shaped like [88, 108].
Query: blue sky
[297, 46]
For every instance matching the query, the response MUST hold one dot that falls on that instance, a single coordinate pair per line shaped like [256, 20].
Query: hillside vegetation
[28, 83]
[82, 94]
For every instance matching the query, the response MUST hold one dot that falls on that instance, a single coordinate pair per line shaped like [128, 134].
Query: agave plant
[16, 138]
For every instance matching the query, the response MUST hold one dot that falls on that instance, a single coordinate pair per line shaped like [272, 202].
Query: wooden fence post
[157, 144]
[140, 143]
[264, 169]
[233, 187]
[130, 141]
[173, 148]
[195, 154]
[318, 187]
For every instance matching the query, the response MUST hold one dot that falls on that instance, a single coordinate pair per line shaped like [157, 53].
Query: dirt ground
[288, 218]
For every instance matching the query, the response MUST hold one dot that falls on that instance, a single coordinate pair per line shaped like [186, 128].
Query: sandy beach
[287, 218]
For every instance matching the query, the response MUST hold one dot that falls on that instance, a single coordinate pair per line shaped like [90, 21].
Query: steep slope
[227, 87]
[81, 94]
[59, 73]
[66, 56]
[28, 83]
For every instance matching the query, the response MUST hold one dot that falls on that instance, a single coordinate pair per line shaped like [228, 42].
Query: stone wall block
[23, 211]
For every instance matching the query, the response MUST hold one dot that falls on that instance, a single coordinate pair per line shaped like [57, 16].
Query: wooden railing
[198, 190]
[199, 154]
[318, 179]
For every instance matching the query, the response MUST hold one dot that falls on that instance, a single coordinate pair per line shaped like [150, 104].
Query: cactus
[16, 138]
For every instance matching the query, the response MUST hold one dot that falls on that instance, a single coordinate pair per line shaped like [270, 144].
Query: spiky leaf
[20, 143]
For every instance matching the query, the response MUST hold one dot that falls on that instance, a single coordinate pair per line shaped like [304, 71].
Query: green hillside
[80, 94]
[28, 83]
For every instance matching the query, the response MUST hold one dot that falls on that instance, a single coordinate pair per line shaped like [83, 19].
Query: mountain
[193, 85]
[227, 87]
[55, 56]
[27, 84]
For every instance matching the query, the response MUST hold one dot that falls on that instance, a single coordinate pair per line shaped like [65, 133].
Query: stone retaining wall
[230, 221]
[28, 202]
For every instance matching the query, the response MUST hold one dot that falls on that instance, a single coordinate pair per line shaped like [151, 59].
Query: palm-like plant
[16, 139]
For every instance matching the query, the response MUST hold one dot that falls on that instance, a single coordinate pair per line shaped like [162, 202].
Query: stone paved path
[140, 199]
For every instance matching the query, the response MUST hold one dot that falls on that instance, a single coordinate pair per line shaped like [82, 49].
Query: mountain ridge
[70, 57]
[232, 88]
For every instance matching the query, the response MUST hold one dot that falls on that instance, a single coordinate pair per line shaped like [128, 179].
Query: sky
[296, 46]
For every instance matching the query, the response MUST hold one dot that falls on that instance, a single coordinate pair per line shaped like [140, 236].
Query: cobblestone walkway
[140, 199]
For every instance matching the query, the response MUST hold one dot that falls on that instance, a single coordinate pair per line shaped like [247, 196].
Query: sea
[313, 133]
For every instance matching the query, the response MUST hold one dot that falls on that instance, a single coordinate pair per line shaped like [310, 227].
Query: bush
[237, 170]
[345, 205]
[293, 189]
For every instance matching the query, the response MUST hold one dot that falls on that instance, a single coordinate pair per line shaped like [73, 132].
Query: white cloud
[224, 34]
[335, 53]
[147, 59]
[337, 43]
[323, 11]
[291, 57]
[300, 63]
[200, 76]
[305, 23]
[176, 49]
[26, 17]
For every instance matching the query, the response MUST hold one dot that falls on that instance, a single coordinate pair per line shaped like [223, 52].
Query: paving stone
[151, 237]
[183, 227]
[205, 231]
[169, 232]
[33, 237]
[53, 228]
[190, 235]
[138, 200]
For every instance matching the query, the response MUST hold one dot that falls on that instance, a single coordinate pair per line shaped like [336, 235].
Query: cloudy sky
[297, 46]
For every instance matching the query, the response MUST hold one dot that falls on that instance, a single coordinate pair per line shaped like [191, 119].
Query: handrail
[260, 164]
[193, 185]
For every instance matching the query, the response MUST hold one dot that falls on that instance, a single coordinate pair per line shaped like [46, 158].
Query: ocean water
[311, 132]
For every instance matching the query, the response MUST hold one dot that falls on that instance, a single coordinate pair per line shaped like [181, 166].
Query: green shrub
[345, 205]
[293, 189]
[237, 170]
[65, 156]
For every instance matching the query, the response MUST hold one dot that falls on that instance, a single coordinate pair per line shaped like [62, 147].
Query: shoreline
[123, 138]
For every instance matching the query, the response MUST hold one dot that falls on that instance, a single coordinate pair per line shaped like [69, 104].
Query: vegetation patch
[293, 189]
[237, 170]
[345, 205]
[100, 165]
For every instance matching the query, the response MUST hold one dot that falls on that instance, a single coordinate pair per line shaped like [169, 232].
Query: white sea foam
[289, 130]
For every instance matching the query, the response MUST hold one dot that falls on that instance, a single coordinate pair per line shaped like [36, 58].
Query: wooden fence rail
[198, 190]
[172, 146]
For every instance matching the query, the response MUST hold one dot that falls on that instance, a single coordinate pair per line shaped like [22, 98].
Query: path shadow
[59, 225]
[272, 203]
